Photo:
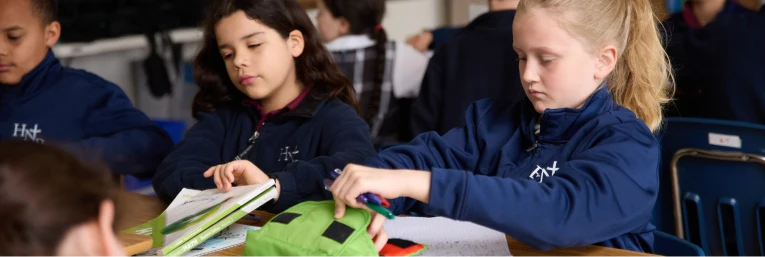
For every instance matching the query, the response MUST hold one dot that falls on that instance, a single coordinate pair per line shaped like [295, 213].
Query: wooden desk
[134, 244]
[135, 209]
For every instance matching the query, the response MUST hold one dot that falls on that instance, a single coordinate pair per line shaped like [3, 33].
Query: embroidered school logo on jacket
[27, 133]
[288, 156]
[541, 173]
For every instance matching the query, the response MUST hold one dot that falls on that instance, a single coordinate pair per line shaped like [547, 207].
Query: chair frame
[707, 154]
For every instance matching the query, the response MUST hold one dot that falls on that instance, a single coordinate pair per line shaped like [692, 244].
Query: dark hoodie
[479, 62]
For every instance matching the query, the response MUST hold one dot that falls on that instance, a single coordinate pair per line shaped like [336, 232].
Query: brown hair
[642, 78]
[313, 66]
[365, 18]
[44, 193]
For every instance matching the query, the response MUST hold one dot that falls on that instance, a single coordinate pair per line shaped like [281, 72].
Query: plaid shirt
[359, 66]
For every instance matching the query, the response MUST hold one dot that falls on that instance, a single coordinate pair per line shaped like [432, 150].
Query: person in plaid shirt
[385, 74]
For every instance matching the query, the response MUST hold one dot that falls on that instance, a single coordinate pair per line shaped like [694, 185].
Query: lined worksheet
[446, 237]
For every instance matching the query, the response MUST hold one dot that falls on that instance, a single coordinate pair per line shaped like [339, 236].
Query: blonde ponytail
[642, 79]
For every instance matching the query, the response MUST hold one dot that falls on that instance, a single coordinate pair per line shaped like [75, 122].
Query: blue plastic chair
[173, 128]
[713, 185]
[669, 245]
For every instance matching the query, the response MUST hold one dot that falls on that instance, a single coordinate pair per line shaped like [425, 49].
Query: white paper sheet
[446, 237]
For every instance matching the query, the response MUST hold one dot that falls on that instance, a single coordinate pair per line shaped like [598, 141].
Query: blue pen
[362, 198]
[336, 173]
[373, 198]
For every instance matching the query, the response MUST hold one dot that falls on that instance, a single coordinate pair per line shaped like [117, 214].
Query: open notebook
[446, 237]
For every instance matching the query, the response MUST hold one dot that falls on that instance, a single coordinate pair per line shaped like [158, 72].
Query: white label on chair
[725, 140]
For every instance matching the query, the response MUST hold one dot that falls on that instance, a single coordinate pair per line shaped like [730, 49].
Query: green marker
[381, 210]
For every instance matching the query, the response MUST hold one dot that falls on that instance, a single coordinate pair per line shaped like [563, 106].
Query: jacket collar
[350, 42]
[41, 77]
[559, 125]
[307, 108]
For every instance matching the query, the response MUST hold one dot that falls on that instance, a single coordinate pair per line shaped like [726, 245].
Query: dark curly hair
[314, 66]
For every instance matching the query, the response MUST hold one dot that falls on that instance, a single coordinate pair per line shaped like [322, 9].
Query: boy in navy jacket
[43, 101]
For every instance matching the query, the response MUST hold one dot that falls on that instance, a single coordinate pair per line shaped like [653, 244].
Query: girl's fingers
[350, 186]
[346, 188]
[348, 177]
[338, 183]
[216, 178]
[356, 186]
[339, 208]
[338, 186]
[380, 240]
[230, 172]
[225, 175]
[351, 193]
[378, 220]
[223, 178]
[209, 172]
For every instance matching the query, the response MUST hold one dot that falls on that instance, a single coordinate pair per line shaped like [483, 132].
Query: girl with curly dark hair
[271, 105]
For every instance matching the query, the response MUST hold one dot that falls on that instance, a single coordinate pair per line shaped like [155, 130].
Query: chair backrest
[715, 172]
[175, 128]
[669, 245]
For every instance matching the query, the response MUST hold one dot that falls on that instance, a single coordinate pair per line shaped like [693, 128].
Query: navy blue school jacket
[478, 62]
[591, 176]
[719, 68]
[442, 35]
[299, 148]
[85, 114]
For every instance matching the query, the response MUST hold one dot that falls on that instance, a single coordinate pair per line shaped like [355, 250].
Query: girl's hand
[241, 172]
[377, 231]
[389, 184]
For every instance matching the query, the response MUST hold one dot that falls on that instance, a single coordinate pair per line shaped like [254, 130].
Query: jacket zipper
[262, 125]
[251, 142]
[534, 147]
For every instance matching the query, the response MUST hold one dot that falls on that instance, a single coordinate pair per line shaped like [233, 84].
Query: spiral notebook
[232, 236]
